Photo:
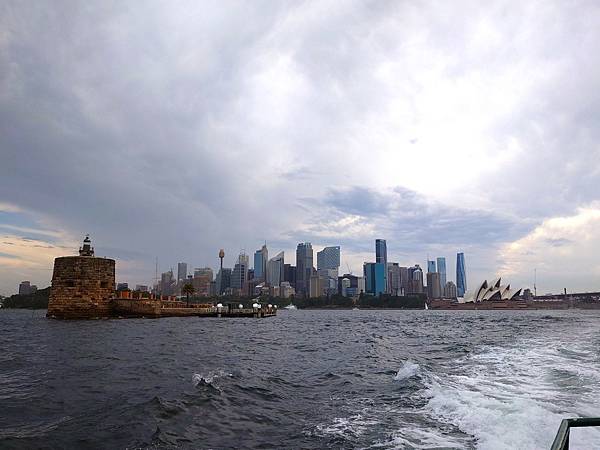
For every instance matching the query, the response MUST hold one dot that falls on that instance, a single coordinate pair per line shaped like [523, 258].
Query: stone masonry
[82, 287]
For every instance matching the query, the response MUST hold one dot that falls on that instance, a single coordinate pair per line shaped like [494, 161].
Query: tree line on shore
[37, 300]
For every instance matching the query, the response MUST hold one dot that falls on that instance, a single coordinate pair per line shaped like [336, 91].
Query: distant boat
[355, 308]
[290, 306]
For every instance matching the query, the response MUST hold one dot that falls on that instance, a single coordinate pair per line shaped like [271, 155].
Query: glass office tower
[374, 278]
[441, 268]
[431, 267]
[381, 258]
[304, 268]
[461, 275]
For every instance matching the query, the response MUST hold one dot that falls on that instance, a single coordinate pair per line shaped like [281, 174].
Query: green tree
[188, 290]
[37, 300]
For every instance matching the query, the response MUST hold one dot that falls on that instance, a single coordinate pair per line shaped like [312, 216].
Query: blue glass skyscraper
[261, 258]
[374, 278]
[380, 251]
[381, 258]
[441, 268]
[258, 265]
[431, 267]
[461, 275]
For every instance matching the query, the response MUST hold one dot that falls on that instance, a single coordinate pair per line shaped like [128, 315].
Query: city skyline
[442, 138]
[232, 260]
[323, 279]
[331, 255]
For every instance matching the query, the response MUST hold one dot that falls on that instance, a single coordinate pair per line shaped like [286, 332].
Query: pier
[156, 308]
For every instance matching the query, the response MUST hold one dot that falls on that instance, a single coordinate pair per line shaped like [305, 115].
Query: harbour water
[303, 379]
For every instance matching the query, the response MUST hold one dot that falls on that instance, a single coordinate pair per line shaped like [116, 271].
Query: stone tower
[82, 286]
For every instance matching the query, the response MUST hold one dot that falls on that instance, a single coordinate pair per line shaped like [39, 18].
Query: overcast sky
[171, 129]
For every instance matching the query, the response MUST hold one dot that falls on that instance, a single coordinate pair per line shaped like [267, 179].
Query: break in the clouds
[174, 129]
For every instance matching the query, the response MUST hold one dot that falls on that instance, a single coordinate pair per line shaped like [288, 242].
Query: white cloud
[564, 250]
[29, 259]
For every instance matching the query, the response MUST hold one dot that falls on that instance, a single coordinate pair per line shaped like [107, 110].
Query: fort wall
[82, 287]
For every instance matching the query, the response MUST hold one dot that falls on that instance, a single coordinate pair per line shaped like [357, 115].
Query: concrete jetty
[155, 308]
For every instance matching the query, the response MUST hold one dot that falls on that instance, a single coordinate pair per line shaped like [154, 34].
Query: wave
[408, 370]
[344, 427]
[415, 437]
[510, 397]
[32, 430]
[210, 378]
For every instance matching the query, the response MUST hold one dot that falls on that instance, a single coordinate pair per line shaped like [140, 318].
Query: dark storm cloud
[173, 130]
[102, 135]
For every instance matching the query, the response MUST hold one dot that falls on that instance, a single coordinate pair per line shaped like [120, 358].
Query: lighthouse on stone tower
[86, 249]
[82, 286]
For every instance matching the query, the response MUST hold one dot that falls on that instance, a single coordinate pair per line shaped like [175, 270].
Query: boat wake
[408, 370]
[512, 397]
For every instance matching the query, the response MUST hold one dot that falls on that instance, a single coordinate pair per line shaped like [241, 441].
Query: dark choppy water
[305, 379]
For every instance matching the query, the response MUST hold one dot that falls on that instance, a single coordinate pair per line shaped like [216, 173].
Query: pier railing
[561, 441]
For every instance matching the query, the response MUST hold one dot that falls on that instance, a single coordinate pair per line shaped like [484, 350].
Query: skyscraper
[328, 264]
[244, 259]
[275, 270]
[441, 268]
[404, 281]
[239, 275]
[304, 268]
[431, 267]
[223, 281]
[461, 275]
[329, 258]
[415, 275]
[434, 290]
[261, 257]
[258, 272]
[381, 258]
[374, 278]
[181, 271]
[289, 274]
[393, 278]
[380, 251]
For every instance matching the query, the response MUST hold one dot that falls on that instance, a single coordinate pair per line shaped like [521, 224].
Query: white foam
[412, 437]
[210, 377]
[354, 425]
[408, 370]
[508, 397]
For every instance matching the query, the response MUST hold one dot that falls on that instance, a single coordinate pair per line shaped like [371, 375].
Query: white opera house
[490, 292]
